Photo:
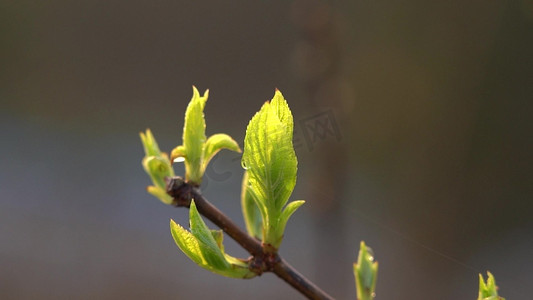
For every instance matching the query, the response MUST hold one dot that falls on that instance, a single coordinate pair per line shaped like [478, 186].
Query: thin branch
[261, 261]
[298, 281]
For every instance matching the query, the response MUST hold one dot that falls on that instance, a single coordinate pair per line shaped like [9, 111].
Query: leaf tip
[146, 135]
[173, 226]
[195, 91]
[192, 208]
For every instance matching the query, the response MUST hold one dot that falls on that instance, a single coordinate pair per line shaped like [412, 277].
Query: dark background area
[413, 133]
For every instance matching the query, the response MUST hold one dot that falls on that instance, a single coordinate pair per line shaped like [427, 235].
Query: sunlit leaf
[287, 213]
[178, 152]
[160, 194]
[149, 143]
[215, 143]
[271, 163]
[366, 272]
[488, 290]
[204, 247]
[210, 250]
[157, 166]
[196, 151]
[218, 235]
[250, 211]
[194, 136]
[188, 244]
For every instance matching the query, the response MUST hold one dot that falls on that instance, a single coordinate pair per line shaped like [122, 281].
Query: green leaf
[366, 272]
[215, 143]
[178, 152]
[488, 290]
[218, 235]
[149, 143]
[283, 111]
[271, 163]
[188, 244]
[194, 136]
[196, 151]
[210, 250]
[287, 213]
[160, 194]
[157, 166]
[204, 247]
[250, 211]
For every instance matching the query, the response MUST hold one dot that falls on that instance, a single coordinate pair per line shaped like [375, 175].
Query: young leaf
[210, 250]
[250, 211]
[271, 163]
[196, 151]
[215, 143]
[194, 135]
[287, 213]
[157, 165]
[283, 111]
[218, 235]
[204, 247]
[160, 194]
[149, 144]
[178, 152]
[489, 290]
[366, 272]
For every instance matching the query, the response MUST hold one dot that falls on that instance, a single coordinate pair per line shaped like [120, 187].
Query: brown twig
[261, 261]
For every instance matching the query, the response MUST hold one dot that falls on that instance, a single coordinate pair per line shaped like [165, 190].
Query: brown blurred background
[413, 133]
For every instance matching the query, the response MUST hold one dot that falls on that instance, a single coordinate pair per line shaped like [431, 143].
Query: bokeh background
[413, 133]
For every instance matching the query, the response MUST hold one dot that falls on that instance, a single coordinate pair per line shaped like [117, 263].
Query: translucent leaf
[250, 211]
[204, 247]
[287, 213]
[188, 244]
[196, 151]
[216, 143]
[160, 194]
[210, 250]
[194, 136]
[150, 145]
[178, 152]
[271, 163]
[366, 272]
[218, 235]
[488, 290]
[283, 111]
[157, 166]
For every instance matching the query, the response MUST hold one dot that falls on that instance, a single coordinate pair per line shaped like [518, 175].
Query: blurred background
[412, 128]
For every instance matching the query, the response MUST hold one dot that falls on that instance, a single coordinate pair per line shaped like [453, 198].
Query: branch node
[180, 191]
[264, 262]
